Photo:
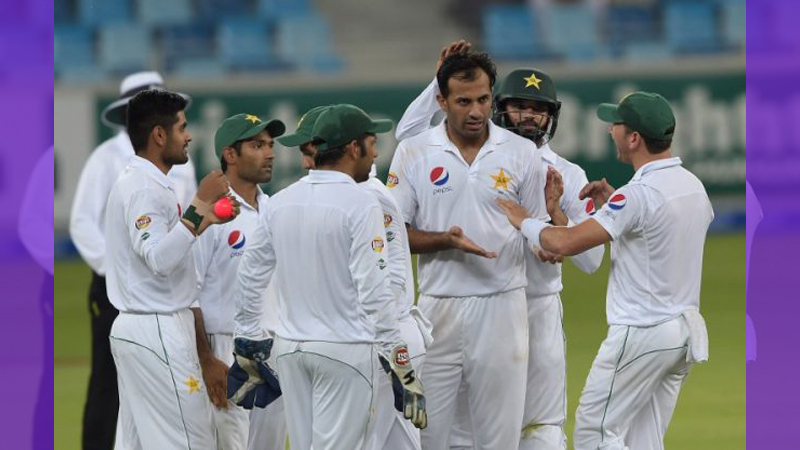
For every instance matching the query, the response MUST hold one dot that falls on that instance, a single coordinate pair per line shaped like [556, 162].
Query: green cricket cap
[339, 124]
[243, 126]
[644, 112]
[305, 127]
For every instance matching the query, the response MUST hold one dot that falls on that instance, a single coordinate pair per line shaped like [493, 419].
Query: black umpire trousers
[102, 398]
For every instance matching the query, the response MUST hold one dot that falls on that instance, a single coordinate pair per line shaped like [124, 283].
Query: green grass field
[710, 413]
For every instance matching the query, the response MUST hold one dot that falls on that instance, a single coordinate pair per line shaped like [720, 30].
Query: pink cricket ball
[223, 208]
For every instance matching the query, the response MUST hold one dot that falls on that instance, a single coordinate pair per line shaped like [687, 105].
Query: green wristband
[193, 217]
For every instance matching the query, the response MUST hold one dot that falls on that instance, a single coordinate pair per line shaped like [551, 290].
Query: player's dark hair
[237, 146]
[465, 66]
[333, 155]
[654, 146]
[149, 109]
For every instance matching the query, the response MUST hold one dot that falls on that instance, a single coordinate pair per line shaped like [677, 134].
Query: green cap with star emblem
[305, 127]
[243, 126]
[529, 84]
[647, 113]
[339, 124]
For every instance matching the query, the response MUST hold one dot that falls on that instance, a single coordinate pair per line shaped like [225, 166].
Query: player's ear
[229, 153]
[159, 135]
[441, 101]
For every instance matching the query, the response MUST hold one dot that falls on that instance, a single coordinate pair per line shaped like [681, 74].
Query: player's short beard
[174, 156]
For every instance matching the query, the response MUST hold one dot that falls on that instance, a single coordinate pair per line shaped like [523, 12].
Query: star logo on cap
[501, 180]
[252, 118]
[532, 81]
[193, 384]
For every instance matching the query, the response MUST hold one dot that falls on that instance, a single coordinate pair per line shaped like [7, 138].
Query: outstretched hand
[598, 191]
[460, 241]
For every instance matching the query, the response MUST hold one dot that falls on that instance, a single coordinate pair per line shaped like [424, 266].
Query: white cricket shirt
[149, 262]
[436, 190]
[658, 222]
[323, 238]
[217, 254]
[401, 275]
[105, 164]
[545, 278]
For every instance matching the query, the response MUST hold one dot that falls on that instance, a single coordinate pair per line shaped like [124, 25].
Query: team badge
[590, 210]
[377, 245]
[252, 118]
[193, 384]
[501, 180]
[236, 239]
[439, 176]
[387, 219]
[617, 202]
[142, 222]
[532, 81]
[392, 180]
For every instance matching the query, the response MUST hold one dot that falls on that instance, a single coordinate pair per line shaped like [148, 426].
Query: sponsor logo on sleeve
[389, 236]
[381, 264]
[617, 202]
[392, 180]
[142, 222]
[145, 235]
[377, 245]
[590, 209]
[387, 219]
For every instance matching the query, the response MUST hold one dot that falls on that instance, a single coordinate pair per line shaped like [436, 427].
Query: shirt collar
[152, 171]
[261, 197]
[656, 165]
[496, 137]
[548, 155]
[328, 176]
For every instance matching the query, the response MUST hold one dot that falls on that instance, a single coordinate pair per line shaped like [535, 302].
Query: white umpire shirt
[545, 278]
[401, 274]
[88, 218]
[149, 263]
[217, 254]
[323, 238]
[658, 223]
[436, 190]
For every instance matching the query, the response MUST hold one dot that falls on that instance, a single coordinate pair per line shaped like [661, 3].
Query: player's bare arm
[215, 372]
[428, 242]
[566, 241]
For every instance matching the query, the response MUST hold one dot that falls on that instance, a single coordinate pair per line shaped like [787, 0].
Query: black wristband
[191, 216]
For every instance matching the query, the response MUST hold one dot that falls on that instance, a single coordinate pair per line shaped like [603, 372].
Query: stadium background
[277, 58]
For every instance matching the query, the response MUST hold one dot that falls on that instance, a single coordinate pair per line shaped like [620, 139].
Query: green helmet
[527, 84]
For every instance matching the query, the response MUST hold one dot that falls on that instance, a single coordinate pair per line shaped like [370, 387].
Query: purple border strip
[26, 319]
[773, 171]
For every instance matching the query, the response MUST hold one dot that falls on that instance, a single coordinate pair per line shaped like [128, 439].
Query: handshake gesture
[408, 394]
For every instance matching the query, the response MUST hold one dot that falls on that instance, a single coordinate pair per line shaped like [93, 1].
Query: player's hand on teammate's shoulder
[515, 212]
[460, 241]
[461, 46]
[598, 191]
[215, 376]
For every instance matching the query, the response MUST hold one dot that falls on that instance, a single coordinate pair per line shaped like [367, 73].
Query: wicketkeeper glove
[409, 397]
[251, 382]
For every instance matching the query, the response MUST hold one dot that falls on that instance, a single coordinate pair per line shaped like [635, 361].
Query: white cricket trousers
[268, 426]
[633, 387]
[231, 425]
[163, 402]
[546, 388]
[388, 429]
[327, 392]
[482, 343]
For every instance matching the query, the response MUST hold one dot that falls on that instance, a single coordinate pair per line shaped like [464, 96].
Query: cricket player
[327, 228]
[87, 230]
[388, 427]
[152, 282]
[657, 226]
[243, 143]
[526, 103]
[471, 263]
